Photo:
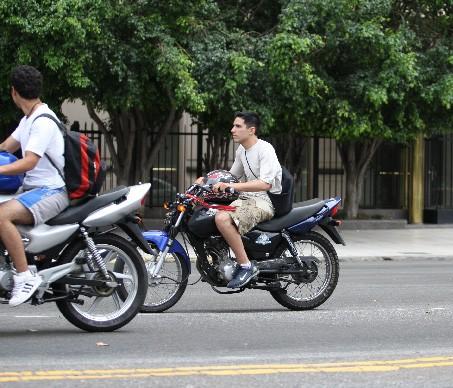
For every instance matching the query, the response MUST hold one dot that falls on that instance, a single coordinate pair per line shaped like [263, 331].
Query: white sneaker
[24, 288]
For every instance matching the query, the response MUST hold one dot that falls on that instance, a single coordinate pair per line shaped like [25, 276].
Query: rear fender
[160, 239]
[332, 231]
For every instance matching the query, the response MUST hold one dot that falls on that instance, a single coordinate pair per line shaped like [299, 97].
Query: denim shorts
[43, 203]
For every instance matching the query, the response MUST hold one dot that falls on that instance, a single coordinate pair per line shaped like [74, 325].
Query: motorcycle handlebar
[230, 190]
[208, 188]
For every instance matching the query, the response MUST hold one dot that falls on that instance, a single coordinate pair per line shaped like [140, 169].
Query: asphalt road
[388, 323]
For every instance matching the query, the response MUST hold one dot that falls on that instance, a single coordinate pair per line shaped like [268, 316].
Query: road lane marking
[229, 370]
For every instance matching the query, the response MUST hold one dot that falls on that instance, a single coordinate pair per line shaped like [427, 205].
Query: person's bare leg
[228, 230]
[11, 213]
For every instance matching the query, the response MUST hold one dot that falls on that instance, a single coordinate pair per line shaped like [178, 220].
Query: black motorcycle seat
[300, 211]
[78, 213]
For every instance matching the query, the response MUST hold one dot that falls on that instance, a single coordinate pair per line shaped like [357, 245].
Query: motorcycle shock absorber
[291, 246]
[94, 254]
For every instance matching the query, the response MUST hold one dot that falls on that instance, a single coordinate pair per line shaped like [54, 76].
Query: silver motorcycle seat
[78, 213]
[299, 212]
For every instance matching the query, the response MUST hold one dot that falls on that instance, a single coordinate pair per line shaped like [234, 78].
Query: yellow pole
[416, 200]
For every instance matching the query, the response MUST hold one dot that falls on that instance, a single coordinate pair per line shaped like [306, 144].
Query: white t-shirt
[44, 137]
[265, 166]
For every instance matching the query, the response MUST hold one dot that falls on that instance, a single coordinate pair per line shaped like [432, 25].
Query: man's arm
[22, 165]
[237, 169]
[10, 144]
[253, 186]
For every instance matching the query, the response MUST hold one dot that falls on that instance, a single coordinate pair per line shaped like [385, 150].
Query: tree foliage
[360, 71]
[130, 59]
[363, 71]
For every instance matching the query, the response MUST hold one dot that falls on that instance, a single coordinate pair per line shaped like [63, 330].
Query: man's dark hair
[27, 81]
[251, 119]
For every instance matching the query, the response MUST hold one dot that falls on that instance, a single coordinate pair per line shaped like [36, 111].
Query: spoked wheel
[311, 289]
[167, 287]
[105, 308]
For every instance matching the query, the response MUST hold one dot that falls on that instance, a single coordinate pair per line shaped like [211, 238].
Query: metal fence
[184, 155]
[439, 171]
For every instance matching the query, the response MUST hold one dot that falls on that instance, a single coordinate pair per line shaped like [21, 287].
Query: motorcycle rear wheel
[308, 294]
[107, 309]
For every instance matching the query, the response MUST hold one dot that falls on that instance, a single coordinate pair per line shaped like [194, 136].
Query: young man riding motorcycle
[43, 194]
[257, 165]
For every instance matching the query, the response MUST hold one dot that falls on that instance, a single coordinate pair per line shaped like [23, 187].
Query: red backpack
[84, 172]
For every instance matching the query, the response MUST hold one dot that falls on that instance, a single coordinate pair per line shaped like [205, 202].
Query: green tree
[363, 71]
[243, 74]
[129, 59]
[44, 34]
[232, 78]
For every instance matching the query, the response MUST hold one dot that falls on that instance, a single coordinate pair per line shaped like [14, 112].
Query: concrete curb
[373, 224]
[393, 258]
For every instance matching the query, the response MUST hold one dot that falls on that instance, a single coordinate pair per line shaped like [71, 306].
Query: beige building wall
[77, 111]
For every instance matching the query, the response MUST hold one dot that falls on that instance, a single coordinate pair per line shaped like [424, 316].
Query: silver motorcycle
[77, 253]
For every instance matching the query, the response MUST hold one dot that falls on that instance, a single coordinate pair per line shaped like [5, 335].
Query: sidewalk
[421, 242]
[409, 242]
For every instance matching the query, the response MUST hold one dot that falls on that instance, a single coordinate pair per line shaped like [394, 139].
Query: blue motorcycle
[298, 266]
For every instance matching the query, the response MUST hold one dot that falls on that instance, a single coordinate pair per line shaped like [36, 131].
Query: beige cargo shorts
[248, 215]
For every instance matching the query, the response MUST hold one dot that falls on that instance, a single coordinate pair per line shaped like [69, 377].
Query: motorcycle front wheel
[167, 287]
[311, 289]
[103, 308]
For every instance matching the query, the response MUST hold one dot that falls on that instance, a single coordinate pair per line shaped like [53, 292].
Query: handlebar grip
[206, 187]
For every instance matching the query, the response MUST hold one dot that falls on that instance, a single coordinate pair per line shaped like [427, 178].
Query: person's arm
[20, 166]
[10, 145]
[237, 169]
[269, 166]
[252, 186]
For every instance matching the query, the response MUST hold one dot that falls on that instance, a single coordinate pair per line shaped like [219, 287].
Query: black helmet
[216, 176]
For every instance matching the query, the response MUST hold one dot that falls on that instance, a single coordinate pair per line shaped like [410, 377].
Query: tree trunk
[356, 157]
[133, 147]
[216, 155]
[290, 150]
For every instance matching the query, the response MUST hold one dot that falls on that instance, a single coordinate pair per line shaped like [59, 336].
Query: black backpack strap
[250, 168]
[62, 128]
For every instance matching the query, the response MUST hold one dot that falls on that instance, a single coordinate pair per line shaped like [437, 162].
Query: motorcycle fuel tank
[202, 223]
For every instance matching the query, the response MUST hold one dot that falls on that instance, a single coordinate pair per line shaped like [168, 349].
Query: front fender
[160, 238]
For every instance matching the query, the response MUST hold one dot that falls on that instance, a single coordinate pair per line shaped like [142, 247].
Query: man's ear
[14, 92]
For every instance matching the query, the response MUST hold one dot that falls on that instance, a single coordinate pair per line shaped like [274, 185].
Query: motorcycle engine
[6, 275]
[219, 251]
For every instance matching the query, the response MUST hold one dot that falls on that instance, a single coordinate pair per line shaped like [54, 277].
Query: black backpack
[83, 171]
[283, 202]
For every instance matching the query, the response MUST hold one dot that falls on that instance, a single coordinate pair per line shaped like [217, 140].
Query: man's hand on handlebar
[221, 186]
